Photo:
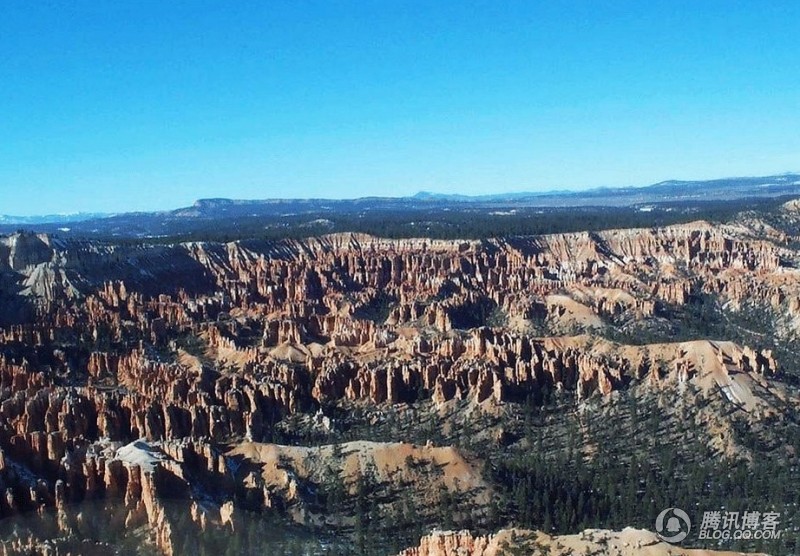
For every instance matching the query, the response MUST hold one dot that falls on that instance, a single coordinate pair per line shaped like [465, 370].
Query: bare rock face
[27, 250]
[628, 542]
[450, 544]
[139, 362]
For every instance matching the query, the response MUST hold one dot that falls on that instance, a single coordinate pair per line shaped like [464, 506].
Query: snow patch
[142, 454]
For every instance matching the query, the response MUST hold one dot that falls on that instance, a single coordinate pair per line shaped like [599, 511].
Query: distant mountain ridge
[286, 215]
[52, 218]
[671, 190]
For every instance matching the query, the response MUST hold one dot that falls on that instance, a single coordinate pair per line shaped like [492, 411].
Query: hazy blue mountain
[220, 214]
[51, 218]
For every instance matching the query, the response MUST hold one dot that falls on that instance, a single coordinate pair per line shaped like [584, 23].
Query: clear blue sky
[111, 106]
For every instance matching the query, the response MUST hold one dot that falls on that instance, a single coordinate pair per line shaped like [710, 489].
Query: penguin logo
[677, 525]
